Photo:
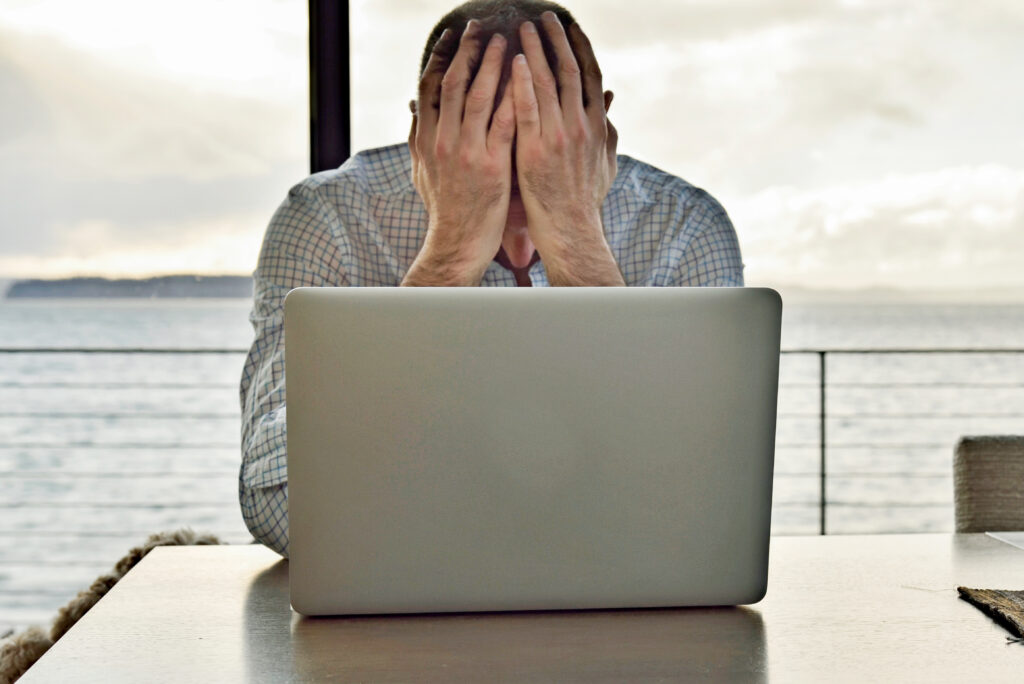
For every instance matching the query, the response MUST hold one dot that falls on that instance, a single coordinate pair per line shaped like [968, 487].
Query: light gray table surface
[839, 608]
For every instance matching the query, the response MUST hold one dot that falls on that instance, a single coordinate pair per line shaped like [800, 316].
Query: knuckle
[491, 167]
[559, 141]
[451, 84]
[504, 120]
[569, 68]
[594, 71]
[467, 158]
[442, 150]
[545, 81]
[579, 133]
[477, 101]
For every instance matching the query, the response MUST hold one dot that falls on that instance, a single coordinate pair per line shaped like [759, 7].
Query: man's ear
[412, 107]
[608, 97]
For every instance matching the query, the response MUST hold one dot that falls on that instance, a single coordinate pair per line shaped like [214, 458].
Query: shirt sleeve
[711, 257]
[298, 251]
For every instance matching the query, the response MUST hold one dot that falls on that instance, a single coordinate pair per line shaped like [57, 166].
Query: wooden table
[858, 609]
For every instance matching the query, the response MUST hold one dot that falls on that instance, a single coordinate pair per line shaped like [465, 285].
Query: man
[514, 181]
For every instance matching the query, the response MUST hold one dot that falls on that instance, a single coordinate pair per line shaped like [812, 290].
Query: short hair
[497, 16]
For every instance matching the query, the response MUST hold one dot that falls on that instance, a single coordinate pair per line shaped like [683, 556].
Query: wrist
[596, 268]
[441, 266]
[559, 236]
[580, 258]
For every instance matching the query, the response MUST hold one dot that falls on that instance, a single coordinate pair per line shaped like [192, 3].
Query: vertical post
[330, 120]
[822, 438]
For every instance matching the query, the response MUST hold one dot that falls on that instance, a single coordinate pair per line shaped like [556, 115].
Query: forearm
[582, 260]
[265, 512]
[263, 486]
[429, 270]
[441, 265]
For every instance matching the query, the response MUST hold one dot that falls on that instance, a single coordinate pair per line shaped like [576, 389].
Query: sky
[854, 144]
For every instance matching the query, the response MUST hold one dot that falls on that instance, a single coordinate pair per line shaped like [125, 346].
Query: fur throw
[20, 651]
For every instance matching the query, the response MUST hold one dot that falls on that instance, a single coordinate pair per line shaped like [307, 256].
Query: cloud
[855, 142]
[108, 122]
[24, 111]
[226, 244]
[960, 227]
[91, 144]
[208, 45]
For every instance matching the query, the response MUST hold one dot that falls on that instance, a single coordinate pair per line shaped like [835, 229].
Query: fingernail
[549, 16]
[498, 40]
[530, 28]
[520, 59]
[471, 27]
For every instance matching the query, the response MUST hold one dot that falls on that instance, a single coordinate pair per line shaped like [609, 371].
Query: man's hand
[461, 167]
[565, 155]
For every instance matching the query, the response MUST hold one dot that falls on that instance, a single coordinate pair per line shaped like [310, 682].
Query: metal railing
[822, 384]
[823, 415]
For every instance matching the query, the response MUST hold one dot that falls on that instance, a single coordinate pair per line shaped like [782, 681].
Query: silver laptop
[482, 449]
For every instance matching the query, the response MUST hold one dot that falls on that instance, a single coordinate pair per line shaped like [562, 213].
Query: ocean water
[99, 450]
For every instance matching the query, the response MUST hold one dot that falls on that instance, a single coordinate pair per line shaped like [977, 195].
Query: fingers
[503, 125]
[527, 113]
[611, 144]
[592, 82]
[544, 85]
[412, 140]
[569, 85]
[456, 82]
[480, 99]
[612, 139]
[428, 100]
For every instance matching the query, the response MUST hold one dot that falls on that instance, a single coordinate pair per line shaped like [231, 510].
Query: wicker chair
[988, 484]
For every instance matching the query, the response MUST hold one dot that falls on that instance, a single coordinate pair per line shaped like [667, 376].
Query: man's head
[496, 16]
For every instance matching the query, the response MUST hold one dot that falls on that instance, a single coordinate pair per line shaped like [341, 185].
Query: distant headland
[234, 286]
[164, 286]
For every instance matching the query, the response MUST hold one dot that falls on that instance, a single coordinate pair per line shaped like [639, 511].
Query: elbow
[265, 512]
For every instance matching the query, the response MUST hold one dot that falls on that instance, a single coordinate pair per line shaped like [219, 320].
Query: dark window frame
[330, 116]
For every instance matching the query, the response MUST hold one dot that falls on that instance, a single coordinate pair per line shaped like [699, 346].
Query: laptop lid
[486, 449]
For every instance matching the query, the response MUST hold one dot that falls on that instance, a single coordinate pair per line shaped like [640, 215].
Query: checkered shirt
[363, 224]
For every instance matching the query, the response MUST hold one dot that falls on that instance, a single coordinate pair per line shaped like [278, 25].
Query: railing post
[822, 438]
